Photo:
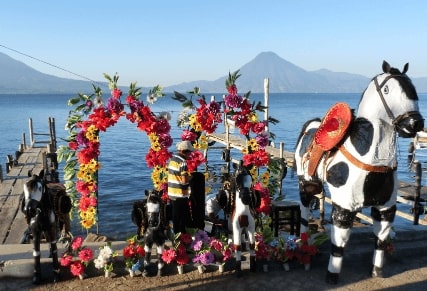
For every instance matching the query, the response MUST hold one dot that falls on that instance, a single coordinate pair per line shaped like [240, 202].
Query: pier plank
[239, 143]
[12, 223]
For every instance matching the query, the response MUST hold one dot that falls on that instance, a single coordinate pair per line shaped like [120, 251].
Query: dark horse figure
[45, 206]
[151, 218]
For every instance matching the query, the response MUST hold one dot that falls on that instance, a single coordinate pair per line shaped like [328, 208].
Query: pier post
[266, 93]
[30, 125]
[417, 193]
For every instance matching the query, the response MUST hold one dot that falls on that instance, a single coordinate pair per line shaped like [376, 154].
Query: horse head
[33, 193]
[153, 207]
[396, 102]
[243, 185]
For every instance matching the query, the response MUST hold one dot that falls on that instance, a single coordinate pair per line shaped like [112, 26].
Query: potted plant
[77, 250]
[133, 253]
[105, 259]
[203, 251]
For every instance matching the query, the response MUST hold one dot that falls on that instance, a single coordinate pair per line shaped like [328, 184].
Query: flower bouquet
[105, 259]
[307, 248]
[133, 253]
[222, 250]
[203, 250]
[178, 252]
[77, 250]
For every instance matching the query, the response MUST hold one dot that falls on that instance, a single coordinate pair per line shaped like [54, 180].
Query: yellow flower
[208, 189]
[253, 144]
[87, 223]
[253, 117]
[194, 123]
[265, 178]
[92, 133]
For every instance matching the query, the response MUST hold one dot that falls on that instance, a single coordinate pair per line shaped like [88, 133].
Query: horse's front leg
[52, 235]
[342, 220]
[36, 232]
[160, 263]
[307, 192]
[382, 224]
[251, 237]
[237, 243]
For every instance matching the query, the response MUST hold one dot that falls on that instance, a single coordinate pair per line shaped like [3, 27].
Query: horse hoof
[145, 273]
[252, 264]
[36, 279]
[332, 278]
[377, 272]
[56, 277]
[160, 273]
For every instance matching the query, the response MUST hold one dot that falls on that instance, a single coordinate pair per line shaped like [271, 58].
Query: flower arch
[91, 116]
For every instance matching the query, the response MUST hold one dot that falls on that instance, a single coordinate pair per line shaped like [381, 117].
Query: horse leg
[307, 191]
[237, 242]
[147, 258]
[342, 220]
[382, 223]
[54, 249]
[251, 238]
[160, 263]
[35, 230]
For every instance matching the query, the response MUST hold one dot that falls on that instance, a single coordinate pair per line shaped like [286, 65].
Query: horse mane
[304, 127]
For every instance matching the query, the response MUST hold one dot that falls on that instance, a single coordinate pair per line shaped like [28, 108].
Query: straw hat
[185, 145]
[334, 126]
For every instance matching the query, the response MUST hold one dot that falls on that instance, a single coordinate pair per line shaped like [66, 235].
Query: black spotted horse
[243, 201]
[360, 171]
[151, 218]
[46, 207]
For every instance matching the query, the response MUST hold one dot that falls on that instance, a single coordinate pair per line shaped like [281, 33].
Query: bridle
[398, 119]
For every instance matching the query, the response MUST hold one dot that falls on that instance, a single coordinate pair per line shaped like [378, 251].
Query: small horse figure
[43, 211]
[150, 216]
[360, 170]
[242, 217]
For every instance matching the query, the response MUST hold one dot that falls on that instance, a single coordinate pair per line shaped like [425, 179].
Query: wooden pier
[35, 157]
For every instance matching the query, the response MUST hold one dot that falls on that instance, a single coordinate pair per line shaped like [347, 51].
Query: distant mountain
[284, 77]
[18, 78]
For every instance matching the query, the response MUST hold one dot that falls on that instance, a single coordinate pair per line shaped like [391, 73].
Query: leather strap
[362, 165]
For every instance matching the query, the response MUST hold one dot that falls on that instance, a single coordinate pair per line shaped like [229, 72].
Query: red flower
[66, 260]
[86, 255]
[188, 135]
[77, 268]
[116, 93]
[168, 256]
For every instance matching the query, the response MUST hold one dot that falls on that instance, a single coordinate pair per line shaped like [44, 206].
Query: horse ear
[386, 67]
[405, 68]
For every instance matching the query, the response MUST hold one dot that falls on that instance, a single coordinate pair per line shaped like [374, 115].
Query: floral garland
[81, 154]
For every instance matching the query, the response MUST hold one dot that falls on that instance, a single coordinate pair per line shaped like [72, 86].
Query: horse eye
[385, 89]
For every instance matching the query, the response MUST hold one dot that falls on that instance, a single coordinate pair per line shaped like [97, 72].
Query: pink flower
[86, 255]
[77, 268]
[117, 93]
[66, 260]
[168, 256]
[77, 243]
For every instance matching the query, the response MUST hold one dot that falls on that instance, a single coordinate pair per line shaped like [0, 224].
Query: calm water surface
[124, 175]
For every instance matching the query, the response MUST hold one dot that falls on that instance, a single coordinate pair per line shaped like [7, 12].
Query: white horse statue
[360, 169]
[242, 217]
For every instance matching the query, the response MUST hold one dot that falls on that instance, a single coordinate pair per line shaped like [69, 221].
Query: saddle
[330, 133]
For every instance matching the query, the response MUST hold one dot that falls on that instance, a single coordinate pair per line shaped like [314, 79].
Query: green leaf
[179, 97]
[73, 101]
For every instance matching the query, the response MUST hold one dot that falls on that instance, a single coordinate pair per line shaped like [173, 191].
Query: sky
[170, 42]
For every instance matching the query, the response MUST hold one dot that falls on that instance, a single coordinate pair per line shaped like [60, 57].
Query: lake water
[124, 175]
